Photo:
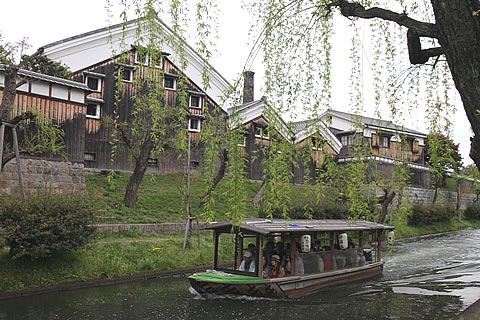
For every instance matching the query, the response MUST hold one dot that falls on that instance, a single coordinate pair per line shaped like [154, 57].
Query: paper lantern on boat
[306, 241]
[390, 237]
[343, 240]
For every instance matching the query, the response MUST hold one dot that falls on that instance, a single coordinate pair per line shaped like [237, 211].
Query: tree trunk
[9, 92]
[459, 35]
[141, 162]
[386, 202]
[258, 196]
[218, 177]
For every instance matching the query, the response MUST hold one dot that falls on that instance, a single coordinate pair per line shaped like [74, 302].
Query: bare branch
[355, 9]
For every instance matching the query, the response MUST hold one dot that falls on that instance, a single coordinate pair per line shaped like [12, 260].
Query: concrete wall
[63, 177]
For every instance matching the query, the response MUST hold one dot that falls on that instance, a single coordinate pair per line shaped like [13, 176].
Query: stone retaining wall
[63, 177]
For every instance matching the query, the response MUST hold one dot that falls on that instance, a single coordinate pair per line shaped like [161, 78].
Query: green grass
[405, 231]
[111, 255]
[160, 198]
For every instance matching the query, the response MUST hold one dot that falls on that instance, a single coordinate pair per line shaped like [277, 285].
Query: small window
[195, 102]
[169, 83]
[317, 144]
[89, 156]
[194, 125]
[148, 59]
[93, 110]
[407, 145]
[127, 75]
[244, 142]
[346, 140]
[94, 83]
[261, 132]
[194, 164]
[384, 142]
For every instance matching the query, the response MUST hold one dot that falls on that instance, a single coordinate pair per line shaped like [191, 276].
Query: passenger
[299, 267]
[251, 247]
[328, 262]
[351, 257]
[276, 270]
[317, 247]
[269, 250]
[248, 263]
[266, 268]
[280, 251]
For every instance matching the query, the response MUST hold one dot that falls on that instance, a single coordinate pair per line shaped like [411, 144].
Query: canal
[434, 277]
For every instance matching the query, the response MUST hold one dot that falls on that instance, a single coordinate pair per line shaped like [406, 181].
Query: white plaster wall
[77, 96]
[59, 92]
[41, 88]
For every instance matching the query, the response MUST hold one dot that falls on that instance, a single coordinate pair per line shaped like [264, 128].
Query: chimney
[248, 86]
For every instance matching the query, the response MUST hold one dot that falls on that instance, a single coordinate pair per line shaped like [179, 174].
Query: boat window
[226, 251]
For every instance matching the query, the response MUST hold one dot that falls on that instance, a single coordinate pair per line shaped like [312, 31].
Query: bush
[472, 211]
[427, 214]
[46, 224]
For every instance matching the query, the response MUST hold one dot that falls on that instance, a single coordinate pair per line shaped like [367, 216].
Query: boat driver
[248, 263]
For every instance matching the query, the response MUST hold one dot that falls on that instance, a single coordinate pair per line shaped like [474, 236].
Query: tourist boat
[350, 251]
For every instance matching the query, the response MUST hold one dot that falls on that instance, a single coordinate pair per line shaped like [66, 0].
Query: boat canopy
[266, 226]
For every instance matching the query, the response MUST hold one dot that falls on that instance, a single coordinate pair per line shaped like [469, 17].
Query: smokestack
[248, 86]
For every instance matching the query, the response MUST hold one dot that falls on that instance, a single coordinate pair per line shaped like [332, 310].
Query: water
[433, 277]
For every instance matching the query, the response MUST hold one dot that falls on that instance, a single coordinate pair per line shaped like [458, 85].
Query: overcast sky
[47, 21]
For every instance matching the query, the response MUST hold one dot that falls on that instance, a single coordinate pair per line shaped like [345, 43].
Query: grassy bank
[160, 198]
[131, 253]
[405, 231]
[110, 255]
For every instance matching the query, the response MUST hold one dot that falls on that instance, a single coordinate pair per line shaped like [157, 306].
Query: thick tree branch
[415, 52]
[355, 9]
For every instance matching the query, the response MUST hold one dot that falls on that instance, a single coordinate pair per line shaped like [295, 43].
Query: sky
[47, 21]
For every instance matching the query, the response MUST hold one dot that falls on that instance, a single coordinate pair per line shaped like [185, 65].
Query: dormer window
[94, 83]
[317, 144]
[194, 125]
[169, 83]
[195, 102]
[143, 57]
[93, 110]
[261, 132]
[347, 140]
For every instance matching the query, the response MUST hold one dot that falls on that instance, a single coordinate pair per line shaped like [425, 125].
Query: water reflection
[432, 277]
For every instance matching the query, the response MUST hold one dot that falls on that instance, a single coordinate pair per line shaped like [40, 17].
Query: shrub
[46, 224]
[472, 211]
[427, 214]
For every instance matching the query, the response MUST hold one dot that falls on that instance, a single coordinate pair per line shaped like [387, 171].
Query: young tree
[443, 158]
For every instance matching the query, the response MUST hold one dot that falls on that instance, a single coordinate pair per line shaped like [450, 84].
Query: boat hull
[289, 287]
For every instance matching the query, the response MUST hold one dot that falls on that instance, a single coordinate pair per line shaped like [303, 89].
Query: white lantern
[306, 242]
[343, 241]
[390, 237]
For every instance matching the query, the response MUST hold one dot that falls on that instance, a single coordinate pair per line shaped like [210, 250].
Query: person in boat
[317, 247]
[276, 268]
[251, 247]
[280, 251]
[266, 268]
[328, 261]
[299, 267]
[269, 250]
[248, 263]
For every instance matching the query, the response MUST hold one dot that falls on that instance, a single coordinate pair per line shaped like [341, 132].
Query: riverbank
[130, 253]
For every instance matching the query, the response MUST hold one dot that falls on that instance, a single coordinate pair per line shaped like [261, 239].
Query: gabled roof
[40, 76]
[304, 129]
[372, 122]
[253, 110]
[266, 226]
[87, 49]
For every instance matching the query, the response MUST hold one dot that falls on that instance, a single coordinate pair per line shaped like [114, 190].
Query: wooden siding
[69, 116]
[98, 134]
